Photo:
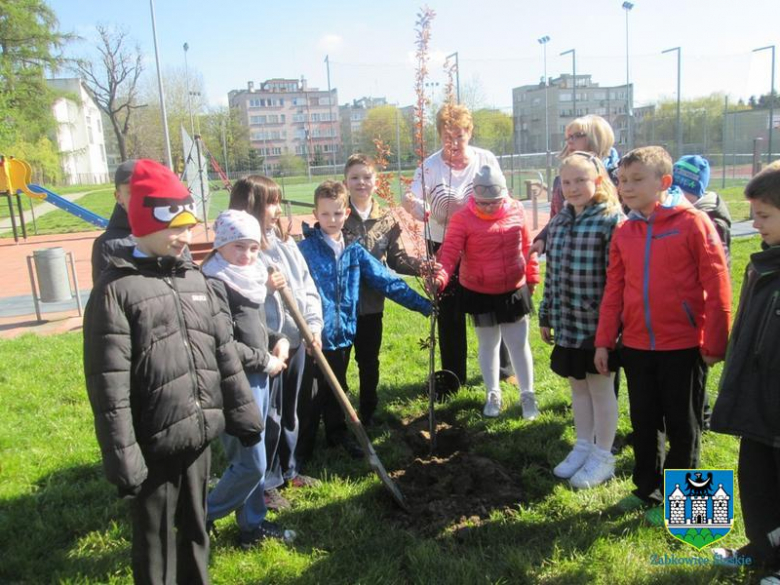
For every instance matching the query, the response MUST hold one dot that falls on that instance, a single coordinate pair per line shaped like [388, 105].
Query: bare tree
[113, 82]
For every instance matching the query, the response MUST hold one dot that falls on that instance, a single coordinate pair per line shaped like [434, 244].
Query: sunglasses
[575, 136]
[488, 190]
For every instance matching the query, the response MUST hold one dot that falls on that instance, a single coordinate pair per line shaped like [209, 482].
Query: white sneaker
[528, 402]
[599, 467]
[574, 460]
[493, 405]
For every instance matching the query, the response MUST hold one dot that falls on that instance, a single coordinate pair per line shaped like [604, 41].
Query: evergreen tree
[30, 45]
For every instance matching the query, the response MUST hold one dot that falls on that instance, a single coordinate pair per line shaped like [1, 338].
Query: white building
[79, 134]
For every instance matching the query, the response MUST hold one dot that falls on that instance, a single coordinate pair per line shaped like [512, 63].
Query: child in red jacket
[490, 240]
[668, 288]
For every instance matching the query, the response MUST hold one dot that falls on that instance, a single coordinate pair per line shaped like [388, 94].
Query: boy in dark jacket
[691, 175]
[163, 381]
[338, 271]
[117, 234]
[748, 403]
[378, 231]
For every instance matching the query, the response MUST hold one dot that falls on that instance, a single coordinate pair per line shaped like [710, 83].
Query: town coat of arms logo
[698, 504]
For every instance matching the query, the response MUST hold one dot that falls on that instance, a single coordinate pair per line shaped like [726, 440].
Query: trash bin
[51, 268]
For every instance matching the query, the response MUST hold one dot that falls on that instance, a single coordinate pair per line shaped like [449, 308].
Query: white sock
[515, 337]
[489, 339]
[582, 407]
[605, 408]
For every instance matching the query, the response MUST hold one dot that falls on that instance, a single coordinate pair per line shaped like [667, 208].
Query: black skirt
[489, 310]
[574, 363]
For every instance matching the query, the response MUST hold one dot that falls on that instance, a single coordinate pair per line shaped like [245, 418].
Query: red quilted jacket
[667, 284]
[492, 252]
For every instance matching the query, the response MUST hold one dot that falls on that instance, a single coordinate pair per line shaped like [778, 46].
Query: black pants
[451, 327]
[368, 342]
[324, 405]
[282, 424]
[504, 363]
[665, 394]
[759, 493]
[170, 542]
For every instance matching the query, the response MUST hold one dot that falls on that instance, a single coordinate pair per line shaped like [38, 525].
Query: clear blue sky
[371, 44]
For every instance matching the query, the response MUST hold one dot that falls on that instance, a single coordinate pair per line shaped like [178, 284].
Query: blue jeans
[281, 424]
[242, 485]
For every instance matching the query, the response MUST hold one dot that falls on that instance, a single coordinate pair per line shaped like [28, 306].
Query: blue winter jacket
[339, 286]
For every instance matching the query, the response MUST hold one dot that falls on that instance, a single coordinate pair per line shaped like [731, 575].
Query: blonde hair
[653, 157]
[334, 190]
[605, 189]
[600, 136]
[359, 159]
[454, 116]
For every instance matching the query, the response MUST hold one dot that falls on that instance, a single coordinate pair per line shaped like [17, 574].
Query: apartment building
[285, 116]
[528, 106]
[79, 133]
[352, 116]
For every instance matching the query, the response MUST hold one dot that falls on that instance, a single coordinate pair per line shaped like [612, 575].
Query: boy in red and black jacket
[668, 288]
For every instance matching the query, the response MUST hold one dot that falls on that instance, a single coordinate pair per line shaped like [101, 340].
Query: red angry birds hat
[158, 200]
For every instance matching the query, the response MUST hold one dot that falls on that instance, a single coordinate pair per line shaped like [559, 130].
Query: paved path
[17, 313]
[40, 209]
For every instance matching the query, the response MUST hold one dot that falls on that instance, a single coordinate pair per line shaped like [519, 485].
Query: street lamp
[679, 122]
[543, 41]
[164, 114]
[189, 93]
[771, 101]
[573, 77]
[627, 6]
[457, 74]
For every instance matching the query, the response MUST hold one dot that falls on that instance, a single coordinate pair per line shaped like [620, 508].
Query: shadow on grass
[73, 527]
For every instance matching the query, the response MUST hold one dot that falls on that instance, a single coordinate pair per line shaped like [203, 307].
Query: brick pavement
[17, 315]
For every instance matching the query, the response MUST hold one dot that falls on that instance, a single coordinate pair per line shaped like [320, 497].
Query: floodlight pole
[679, 121]
[189, 94]
[771, 102]
[627, 6]
[573, 77]
[457, 75]
[543, 41]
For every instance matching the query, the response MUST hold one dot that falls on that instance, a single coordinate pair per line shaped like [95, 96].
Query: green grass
[60, 521]
[28, 202]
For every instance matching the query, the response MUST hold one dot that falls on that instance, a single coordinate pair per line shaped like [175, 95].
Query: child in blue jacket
[338, 270]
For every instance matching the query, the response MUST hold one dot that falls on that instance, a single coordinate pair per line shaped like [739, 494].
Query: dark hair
[252, 194]
[331, 190]
[654, 157]
[765, 186]
[359, 159]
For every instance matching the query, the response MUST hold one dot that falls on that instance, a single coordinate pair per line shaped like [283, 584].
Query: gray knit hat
[489, 183]
[123, 173]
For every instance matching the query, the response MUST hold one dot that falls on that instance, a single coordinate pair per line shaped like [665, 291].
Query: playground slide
[69, 206]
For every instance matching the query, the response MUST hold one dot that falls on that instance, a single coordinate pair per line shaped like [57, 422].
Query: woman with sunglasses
[447, 176]
[591, 134]
[489, 242]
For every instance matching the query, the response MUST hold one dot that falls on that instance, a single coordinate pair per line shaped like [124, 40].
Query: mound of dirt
[453, 486]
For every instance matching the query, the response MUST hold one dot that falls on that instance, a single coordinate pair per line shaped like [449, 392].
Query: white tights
[515, 337]
[595, 409]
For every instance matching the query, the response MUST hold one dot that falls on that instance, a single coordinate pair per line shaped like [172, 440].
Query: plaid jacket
[577, 257]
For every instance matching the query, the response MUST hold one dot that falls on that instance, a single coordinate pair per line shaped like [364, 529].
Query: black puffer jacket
[116, 238]
[249, 329]
[748, 402]
[160, 367]
[107, 244]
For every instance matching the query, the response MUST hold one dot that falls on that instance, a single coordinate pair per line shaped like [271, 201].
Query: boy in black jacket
[748, 403]
[163, 381]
